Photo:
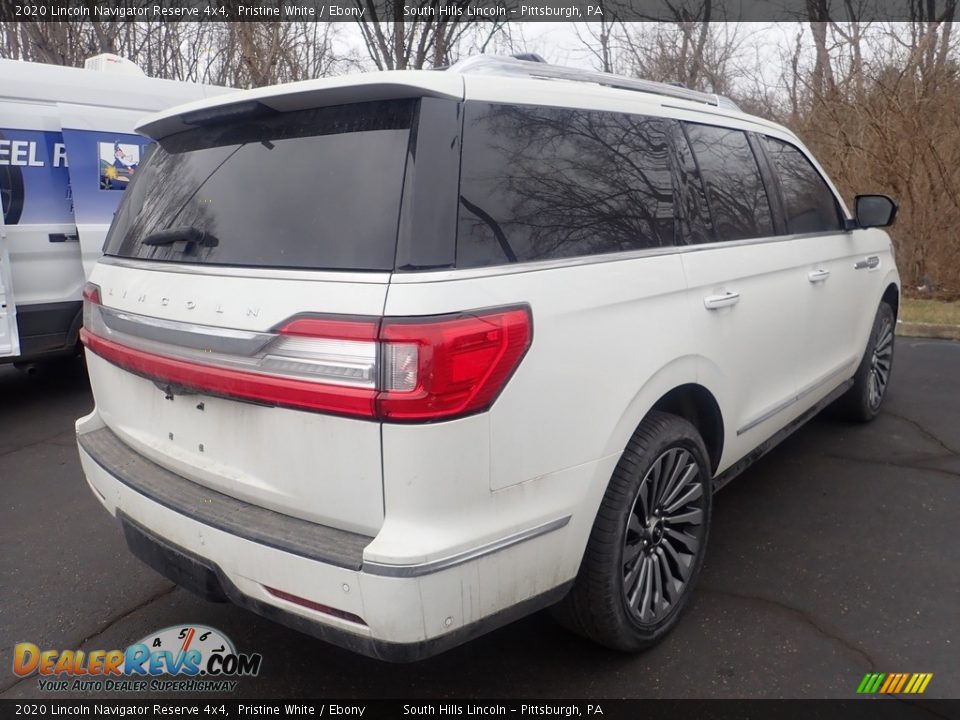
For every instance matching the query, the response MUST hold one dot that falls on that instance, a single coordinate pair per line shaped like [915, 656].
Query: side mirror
[875, 211]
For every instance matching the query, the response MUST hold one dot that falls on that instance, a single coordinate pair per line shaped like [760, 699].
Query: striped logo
[893, 683]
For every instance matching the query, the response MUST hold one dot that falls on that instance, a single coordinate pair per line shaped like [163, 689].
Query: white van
[396, 358]
[67, 151]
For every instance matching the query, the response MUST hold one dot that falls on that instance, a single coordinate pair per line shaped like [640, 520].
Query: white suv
[399, 357]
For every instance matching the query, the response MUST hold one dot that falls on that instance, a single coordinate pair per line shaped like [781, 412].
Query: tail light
[444, 367]
[91, 300]
[391, 369]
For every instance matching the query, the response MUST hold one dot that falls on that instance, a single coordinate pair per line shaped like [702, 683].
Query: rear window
[317, 189]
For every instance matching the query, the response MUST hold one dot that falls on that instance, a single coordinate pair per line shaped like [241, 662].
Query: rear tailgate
[314, 466]
[230, 325]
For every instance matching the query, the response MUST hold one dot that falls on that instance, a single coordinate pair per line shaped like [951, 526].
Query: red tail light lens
[333, 329]
[391, 369]
[91, 298]
[460, 365]
[91, 293]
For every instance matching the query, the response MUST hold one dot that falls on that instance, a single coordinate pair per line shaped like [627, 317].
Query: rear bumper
[222, 548]
[210, 582]
[216, 510]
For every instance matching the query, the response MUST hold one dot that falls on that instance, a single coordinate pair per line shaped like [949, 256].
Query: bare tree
[699, 54]
[430, 36]
[879, 103]
[602, 39]
[818, 12]
[220, 53]
[59, 43]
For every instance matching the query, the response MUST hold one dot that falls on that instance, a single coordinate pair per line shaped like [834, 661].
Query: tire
[862, 402]
[639, 569]
[11, 192]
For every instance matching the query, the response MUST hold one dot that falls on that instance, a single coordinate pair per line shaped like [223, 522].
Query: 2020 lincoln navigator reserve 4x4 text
[395, 358]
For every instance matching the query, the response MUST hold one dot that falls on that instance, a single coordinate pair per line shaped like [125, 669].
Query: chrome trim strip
[812, 387]
[252, 273]
[767, 414]
[451, 275]
[817, 384]
[771, 442]
[419, 569]
[189, 335]
[871, 262]
[443, 274]
[738, 116]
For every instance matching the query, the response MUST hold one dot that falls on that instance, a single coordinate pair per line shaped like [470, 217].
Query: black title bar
[452, 10]
[875, 709]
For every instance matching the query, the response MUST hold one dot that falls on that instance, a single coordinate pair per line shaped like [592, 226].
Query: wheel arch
[697, 405]
[891, 296]
[675, 388]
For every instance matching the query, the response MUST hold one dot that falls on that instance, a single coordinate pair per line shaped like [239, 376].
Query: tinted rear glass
[693, 210]
[316, 189]
[738, 198]
[540, 183]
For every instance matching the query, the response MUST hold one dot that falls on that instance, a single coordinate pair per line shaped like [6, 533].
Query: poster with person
[118, 163]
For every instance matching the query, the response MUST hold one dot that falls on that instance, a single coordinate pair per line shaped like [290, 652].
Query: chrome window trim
[722, 120]
[426, 568]
[447, 274]
[450, 275]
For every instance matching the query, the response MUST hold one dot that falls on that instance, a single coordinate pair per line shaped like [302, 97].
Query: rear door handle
[715, 302]
[871, 262]
[818, 275]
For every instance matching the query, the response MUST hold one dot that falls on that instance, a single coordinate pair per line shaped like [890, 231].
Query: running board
[770, 443]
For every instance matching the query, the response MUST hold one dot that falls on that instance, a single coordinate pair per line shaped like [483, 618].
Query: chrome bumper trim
[418, 569]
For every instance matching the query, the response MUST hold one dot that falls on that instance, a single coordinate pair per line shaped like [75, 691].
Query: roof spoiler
[246, 104]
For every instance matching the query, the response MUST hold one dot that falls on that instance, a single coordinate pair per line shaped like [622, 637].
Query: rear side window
[735, 190]
[693, 211]
[540, 183]
[808, 202]
[315, 189]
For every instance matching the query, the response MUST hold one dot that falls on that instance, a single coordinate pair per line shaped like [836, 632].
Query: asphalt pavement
[835, 555]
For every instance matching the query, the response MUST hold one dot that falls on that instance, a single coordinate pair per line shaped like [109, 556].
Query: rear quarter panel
[609, 338]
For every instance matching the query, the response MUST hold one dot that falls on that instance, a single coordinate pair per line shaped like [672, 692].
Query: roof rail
[501, 65]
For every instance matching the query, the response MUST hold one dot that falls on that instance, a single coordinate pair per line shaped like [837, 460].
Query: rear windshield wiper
[186, 234]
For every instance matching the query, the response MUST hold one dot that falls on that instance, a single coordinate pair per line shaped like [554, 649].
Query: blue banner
[34, 180]
[40, 185]
[101, 166]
